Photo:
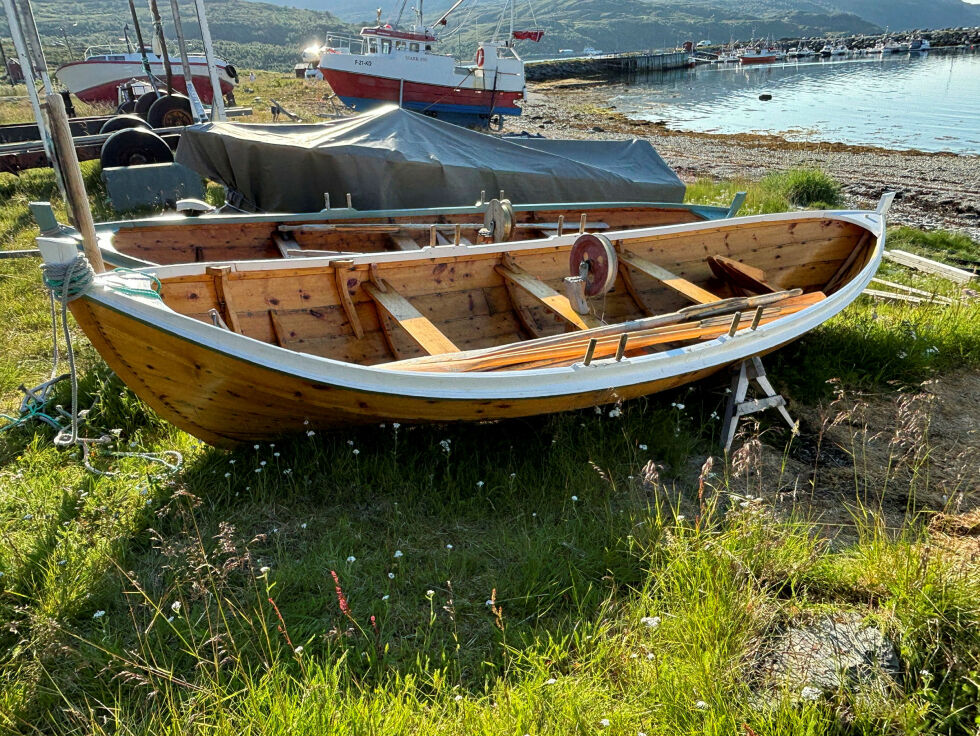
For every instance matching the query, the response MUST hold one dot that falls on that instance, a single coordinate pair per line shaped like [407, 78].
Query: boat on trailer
[389, 64]
[247, 351]
[99, 76]
[170, 239]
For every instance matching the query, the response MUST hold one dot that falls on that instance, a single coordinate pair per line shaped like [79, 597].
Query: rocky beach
[936, 190]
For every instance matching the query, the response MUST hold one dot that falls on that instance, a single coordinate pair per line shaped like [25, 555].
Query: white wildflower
[385, 597]
[395, 425]
[480, 484]
[310, 433]
[489, 603]
[429, 593]
[256, 447]
[227, 475]
[449, 546]
[28, 517]
[303, 525]
[810, 693]
[650, 656]
[701, 705]
[604, 723]
[651, 622]
[643, 447]
[616, 412]
[352, 559]
[355, 451]
[550, 681]
[391, 576]
[98, 614]
[458, 698]
[175, 606]
[264, 569]
[574, 499]
[298, 650]
[350, 443]
[398, 553]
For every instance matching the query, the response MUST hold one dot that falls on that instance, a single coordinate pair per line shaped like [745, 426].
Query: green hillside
[897, 14]
[251, 35]
[629, 24]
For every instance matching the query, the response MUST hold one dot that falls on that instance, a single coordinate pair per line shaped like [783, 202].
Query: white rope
[69, 281]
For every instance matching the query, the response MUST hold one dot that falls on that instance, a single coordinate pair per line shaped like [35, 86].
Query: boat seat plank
[403, 241]
[682, 286]
[740, 274]
[419, 327]
[548, 297]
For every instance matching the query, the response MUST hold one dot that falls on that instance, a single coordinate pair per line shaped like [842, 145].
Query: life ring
[479, 57]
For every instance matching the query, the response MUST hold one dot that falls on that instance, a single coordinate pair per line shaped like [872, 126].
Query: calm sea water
[927, 102]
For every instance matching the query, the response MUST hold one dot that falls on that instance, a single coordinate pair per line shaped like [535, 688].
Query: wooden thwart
[548, 297]
[740, 274]
[682, 286]
[419, 328]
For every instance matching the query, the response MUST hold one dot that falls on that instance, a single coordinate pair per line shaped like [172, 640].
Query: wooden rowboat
[242, 351]
[173, 239]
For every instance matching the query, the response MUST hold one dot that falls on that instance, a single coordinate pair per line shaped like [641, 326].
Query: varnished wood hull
[226, 388]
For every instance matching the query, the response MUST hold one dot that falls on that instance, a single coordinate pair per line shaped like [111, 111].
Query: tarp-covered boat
[249, 351]
[168, 239]
[392, 158]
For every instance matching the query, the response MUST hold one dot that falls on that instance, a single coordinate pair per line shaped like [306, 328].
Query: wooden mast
[74, 185]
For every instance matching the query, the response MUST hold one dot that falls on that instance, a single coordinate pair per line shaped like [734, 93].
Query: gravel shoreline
[937, 190]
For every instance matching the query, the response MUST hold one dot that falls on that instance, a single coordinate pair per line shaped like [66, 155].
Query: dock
[609, 64]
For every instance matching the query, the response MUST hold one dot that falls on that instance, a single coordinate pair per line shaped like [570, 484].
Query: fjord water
[929, 102]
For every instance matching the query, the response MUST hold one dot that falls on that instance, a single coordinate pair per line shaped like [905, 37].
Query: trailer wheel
[129, 106]
[145, 101]
[123, 121]
[134, 147]
[170, 111]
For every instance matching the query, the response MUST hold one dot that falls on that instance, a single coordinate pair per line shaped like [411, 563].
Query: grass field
[581, 573]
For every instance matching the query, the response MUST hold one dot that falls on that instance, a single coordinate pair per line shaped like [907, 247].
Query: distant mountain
[896, 14]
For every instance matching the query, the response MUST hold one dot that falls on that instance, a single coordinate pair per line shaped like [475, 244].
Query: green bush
[806, 188]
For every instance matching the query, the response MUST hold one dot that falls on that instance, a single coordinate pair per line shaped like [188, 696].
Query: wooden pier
[609, 64]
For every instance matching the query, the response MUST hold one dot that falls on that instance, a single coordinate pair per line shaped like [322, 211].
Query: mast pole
[28, 65]
[217, 101]
[196, 107]
[158, 31]
[139, 39]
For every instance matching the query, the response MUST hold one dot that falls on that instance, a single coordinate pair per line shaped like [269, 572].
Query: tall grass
[546, 575]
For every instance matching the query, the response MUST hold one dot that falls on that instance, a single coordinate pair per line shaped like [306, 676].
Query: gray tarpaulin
[392, 158]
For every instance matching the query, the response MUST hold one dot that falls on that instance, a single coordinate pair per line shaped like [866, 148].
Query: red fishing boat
[388, 64]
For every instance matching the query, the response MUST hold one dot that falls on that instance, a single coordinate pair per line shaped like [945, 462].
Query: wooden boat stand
[738, 407]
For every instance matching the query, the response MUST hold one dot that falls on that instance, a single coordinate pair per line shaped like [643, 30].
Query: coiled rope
[68, 281]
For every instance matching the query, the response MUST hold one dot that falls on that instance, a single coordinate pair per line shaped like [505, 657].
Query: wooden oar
[607, 339]
[659, 336]
[696, 311]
